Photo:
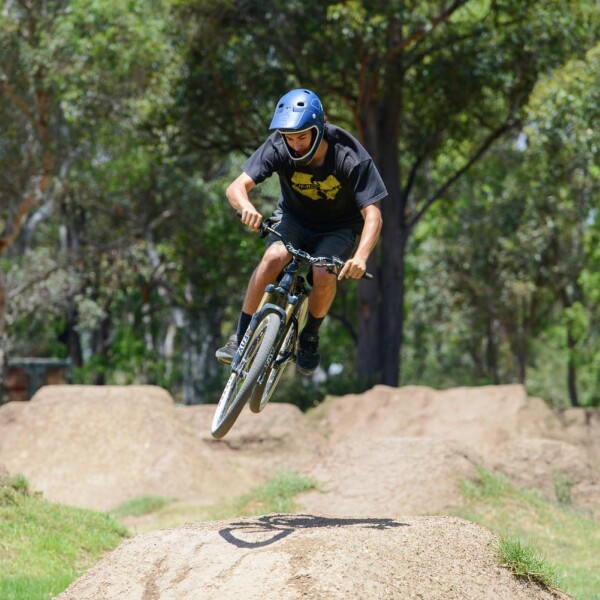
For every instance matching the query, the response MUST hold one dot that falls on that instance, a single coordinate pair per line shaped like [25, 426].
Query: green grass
[523, 560]
[143, 505]
[45, 546]
[275, 496]
[570, 539]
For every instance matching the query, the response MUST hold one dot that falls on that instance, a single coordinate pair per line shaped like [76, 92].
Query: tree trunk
[569, 299]
[369, 356]
[70, 337]
[101, 342]
[522, 351]
[571, 369]
[382, 310]
[392, 302]
[491, 353]
[3, 336]
[202, 373]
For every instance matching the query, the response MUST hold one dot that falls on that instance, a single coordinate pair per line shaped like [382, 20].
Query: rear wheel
[262, 392]
[240, 384]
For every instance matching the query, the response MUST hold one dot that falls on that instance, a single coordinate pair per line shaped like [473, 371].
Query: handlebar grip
[367, 276]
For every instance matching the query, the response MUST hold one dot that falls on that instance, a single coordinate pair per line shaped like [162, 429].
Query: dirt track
[293, 557]
[386, 454]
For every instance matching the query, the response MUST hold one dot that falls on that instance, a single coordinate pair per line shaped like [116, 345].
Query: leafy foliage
[509, 262]
[124, 122]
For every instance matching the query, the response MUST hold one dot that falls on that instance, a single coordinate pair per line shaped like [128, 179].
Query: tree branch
[412, 175]
[347, 323]
[417, 35]
[14, 225]
[494, 135]
[7, 89]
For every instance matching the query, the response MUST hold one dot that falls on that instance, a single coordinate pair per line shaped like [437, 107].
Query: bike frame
[267, 346]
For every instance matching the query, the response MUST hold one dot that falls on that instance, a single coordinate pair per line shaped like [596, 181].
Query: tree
[511, 272]
[449, 90]
[79, 84]
[428, 90]
[563, 127]
[27, 111]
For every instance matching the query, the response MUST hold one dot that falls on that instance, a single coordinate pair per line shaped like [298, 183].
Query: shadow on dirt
[269, 529]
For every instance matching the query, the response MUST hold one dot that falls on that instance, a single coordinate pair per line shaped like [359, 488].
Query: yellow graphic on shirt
[312, 188]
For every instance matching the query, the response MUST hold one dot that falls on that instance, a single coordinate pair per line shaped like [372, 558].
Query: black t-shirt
[327, 197]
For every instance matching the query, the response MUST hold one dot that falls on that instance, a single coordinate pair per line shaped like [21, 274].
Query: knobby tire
[240, 385]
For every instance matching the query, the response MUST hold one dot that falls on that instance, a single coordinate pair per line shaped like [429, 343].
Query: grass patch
[45, 546]
[562, 489]
[523, 560]
[143, 505]
[570, 540]
[275, 496]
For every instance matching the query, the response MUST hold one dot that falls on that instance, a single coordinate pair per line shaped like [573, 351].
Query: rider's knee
[275, 259]
[321, 277]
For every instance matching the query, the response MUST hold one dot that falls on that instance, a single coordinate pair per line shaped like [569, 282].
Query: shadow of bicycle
[270, 529]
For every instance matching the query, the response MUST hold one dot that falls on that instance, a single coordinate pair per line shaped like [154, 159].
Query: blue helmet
[300, 110]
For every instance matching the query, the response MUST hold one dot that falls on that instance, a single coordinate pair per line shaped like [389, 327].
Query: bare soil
[383, 459]
[294, 557]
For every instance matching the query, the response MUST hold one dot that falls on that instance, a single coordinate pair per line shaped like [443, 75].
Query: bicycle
[271, 340]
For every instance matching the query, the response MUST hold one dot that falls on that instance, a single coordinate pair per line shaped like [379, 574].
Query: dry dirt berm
[299, 557]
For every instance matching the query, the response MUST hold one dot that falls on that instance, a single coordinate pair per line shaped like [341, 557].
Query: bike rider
[329, 201]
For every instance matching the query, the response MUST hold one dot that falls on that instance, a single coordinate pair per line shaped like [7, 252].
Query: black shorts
[338, 242]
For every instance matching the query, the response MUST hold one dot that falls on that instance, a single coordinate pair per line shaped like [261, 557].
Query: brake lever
[265, 228]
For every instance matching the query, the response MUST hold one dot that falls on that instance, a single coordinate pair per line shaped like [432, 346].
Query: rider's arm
[356, 266]
[237, 194]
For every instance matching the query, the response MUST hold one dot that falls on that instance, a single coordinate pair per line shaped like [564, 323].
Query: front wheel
[241, 383]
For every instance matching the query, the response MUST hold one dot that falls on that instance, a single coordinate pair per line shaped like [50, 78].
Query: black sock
[312, 325]
[243, 323]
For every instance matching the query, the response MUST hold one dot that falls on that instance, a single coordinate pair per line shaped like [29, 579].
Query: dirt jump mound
[293, 557]
[415, 444]
[97, 447]
[389, 450]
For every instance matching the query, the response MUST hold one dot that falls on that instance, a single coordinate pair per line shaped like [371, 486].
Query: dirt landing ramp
[290, 557]
[390, 476]
[98, 446]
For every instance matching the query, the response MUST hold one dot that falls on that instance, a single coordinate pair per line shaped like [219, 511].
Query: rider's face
[299, 142]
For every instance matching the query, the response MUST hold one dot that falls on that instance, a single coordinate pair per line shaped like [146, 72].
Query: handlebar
[332, 264]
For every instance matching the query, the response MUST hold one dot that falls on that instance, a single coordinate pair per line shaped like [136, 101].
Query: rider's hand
[354, 268]
[251, 217]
